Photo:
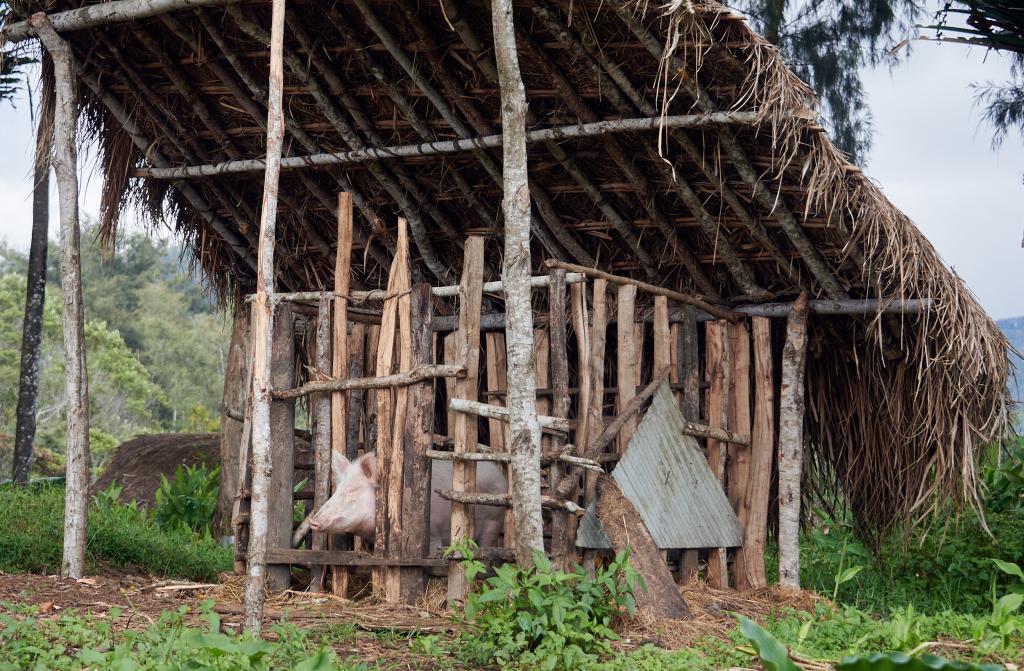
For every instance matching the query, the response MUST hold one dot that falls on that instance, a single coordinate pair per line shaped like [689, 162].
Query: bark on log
[719, 373]
[322, 435]
[415, 376]
[791, 442]
[236, 395]
[35, 295]
[625, 529]
[76, 379]
[505, 500]
[563, 550]
[104, 13]
[282, 446]
[627, 351]
[551, 424]
[263, 333]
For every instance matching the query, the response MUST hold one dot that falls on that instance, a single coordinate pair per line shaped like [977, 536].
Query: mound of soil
[138, 463]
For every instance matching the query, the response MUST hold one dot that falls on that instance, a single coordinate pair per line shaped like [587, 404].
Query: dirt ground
[381, 631]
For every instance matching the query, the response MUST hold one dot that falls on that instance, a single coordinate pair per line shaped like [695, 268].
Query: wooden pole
[689, 561]
[762, 450]
[419, 429]
[738, 464]
[464, 428]
[546, 423]
[322, 434]
[718, 373]
[234, 402]
[524, 428]
[339, 363]
[791, 442]
[76, 378]
[282, 446]
[595, 369]
[627, 357]
[696, 301]
[263, 334]
[563, 551]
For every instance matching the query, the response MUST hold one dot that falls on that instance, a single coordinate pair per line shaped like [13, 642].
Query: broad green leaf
[899, 661]
[773, 654]
[848, 575]
[1009, 568]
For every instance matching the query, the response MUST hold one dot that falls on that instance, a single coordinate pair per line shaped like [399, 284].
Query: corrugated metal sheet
[665, 475]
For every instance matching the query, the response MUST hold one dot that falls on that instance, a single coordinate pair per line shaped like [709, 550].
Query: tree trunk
[791, 442]
[76, 381]
[35, 298]
[236, 395]
[524, 428]
[263, 334]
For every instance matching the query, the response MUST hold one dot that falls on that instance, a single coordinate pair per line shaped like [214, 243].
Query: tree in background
[827, 42]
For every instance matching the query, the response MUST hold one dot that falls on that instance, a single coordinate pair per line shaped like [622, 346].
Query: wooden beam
[696, 301]
[791, 443]
[339, 357]
[504, 500]
[404, 379]
[750, 557]
[505, 457]
[282, 446]
[738, 463]
[446, 147]
[104, 13]
[563, 550]
[322, 435]
[547, 423]
[467, 344]
[595, 369]
[263, 334]
[627, 352]
[718, 374]
[689, 560]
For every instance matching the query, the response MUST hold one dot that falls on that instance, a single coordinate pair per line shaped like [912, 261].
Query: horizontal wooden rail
[352, 558]
[549, 424]
[104, 13]
[414, 376]
[505, 457]
[505, 500]
[453, 146]
[696, 301]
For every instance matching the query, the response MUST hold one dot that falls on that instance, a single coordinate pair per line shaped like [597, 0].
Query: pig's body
[351, 508]
[490, 520]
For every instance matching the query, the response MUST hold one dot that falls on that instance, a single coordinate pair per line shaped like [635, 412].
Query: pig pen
[418, 373]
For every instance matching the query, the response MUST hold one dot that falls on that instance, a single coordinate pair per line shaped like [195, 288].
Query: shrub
[543, 618]
[189, 500]
[120, 538]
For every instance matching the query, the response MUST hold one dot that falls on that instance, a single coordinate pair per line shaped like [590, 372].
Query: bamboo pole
[791, 443]
[446, 147]
[76, 377]
[263, 334]
[696, 301]
[104, 13]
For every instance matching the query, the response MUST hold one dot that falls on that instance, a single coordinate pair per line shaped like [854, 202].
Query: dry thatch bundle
[735, 211]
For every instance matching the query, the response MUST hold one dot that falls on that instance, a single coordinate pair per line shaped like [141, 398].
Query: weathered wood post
[417, 439]
[339, 363]
[76, 380]
[263, 333]
[791, 442]
[719, 371]
[321, 431]
[234, 402]
[563, 550]
[516, 268]
[689, 357]
[738, 463]
[466, 342]
[282, 445]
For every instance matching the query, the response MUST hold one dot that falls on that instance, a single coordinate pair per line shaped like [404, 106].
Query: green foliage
[189, 500]
[773, 654]
[121, 538]
[900, 661]
[78, 642]
[542, 618]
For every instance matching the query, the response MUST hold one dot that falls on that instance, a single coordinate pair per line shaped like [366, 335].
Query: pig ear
[368, 464]
[339, 465]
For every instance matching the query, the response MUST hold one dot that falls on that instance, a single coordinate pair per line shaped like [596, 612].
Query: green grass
[120, 538]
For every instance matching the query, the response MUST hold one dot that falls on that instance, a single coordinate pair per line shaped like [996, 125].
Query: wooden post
[394, 481]
[498, 430]
[282, 446]
[524, 430]
[541, 366]
[321, 432]
[339, 364]
[762, 449]
[627, 352]
[598, 335]
[386, 402]
[791, 442]
[234, 400]
[241, 510]
[689, 358]
[738, 464]
[76, 378]
[562, 543]
[419, 428]
[263, 333]
[465, 426]
[718, 373]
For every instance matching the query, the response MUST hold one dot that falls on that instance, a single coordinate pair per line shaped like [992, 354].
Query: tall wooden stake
[263, 333]
[282, 445]
[627, 357]
[718, 373]
[738, 463]
[562, 546]
[339, 362]
[321, 432]
[791, 442]
[523, 426]
[76, 380]
[762, 450]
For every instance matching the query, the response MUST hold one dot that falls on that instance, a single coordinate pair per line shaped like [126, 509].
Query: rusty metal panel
[666, 476]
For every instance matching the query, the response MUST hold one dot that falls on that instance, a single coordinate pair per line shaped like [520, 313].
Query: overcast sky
[931, 155]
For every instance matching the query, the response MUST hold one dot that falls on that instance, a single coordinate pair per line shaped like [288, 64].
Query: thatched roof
[899, 406]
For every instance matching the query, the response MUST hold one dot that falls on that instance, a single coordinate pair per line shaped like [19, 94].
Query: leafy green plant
[189, 500]
[772, 653]
[542, 618]
[900, 661]
[905, 633]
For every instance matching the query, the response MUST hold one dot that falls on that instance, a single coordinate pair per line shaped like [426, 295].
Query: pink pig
[352, 506]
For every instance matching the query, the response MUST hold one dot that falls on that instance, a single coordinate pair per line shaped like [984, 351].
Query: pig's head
[352, 507]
